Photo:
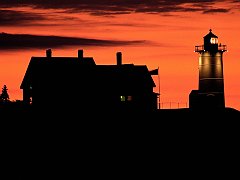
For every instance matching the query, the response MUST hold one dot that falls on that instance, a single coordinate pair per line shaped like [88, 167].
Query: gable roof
[125, 74]
[39, 65]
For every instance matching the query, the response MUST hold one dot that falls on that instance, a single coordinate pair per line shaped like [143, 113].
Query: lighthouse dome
[210, 41]
[210, 34]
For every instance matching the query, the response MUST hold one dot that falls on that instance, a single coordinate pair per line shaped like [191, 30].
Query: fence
[172, 105]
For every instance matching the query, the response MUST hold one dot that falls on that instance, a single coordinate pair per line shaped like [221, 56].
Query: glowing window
[126, 98]
[213, 40]
[123, 98]
[129, 98]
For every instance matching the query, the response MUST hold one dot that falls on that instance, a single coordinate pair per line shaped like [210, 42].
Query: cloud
[55, 14]
[10, 17]
[13, 17]
[220, 10]
[28, 41]
[110, 7]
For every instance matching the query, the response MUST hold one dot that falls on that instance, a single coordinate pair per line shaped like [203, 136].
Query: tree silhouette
[4, 97]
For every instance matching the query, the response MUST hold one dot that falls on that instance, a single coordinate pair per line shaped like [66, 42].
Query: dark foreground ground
[95, 145]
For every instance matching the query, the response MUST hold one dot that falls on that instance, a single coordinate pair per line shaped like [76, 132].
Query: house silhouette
[78, 83]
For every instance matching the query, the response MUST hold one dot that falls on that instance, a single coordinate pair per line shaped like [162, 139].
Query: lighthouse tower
[210, 93]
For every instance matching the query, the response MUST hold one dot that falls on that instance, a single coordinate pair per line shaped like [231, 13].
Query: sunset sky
[156, 33]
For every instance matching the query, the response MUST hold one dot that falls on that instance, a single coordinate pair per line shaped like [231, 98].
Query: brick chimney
[49, 53]
[80, 54]
[119, 58]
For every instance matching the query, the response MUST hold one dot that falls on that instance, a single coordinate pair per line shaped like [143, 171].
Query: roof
[210, 35]
[66, 67]
[39, 65]
[134, 75]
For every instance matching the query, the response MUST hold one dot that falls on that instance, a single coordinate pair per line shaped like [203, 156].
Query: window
[129, 98]
[123, 98]
[214, 40]
[126, 98]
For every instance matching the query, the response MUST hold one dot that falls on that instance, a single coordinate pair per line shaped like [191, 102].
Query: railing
[220, 48]
[199, 48]
[172, 105]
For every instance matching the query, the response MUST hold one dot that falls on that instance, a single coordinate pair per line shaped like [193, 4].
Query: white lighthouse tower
[210, 93]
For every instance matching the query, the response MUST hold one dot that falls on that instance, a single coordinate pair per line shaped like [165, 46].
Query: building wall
[91, 94]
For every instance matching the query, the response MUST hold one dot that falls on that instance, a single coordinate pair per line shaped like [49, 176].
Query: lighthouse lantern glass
[213, 40]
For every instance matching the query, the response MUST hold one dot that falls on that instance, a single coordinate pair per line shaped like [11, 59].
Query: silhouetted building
[210, 93]
[77, 82]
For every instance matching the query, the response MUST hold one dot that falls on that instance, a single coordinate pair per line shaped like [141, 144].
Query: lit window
[129, 98]
[126, 98]
[123, 98]
[214, 40]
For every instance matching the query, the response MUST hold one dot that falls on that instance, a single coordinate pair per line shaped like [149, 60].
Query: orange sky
[164, 39]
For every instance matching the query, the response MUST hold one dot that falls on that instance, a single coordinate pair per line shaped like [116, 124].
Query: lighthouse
[210, 93]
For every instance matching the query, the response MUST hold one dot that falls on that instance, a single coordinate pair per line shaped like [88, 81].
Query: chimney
[80, 54]
[119, 58]
[49, 53]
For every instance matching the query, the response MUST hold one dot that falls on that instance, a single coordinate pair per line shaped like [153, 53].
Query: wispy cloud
[48, 12]
[29, 41]
[10, 17]
[110, 7]
[219, 10]
[13, 17]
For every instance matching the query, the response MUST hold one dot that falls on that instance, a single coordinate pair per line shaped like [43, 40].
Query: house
[78, 83]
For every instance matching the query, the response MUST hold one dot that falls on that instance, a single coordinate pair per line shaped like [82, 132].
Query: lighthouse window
[214, 40]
